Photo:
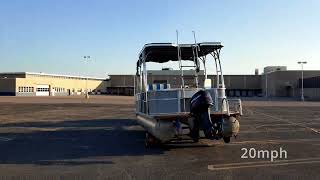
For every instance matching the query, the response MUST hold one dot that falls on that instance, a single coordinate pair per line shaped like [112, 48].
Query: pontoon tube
[162, 130]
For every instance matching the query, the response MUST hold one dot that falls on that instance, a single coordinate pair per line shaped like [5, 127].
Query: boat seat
[158, 87]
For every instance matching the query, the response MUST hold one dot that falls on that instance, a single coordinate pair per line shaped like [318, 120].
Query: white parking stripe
[263, 164]
[263, 141]
[273, 130]
[290, 122]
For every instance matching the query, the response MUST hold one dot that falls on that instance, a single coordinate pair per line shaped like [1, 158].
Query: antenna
[178, 47]
[179, 58]
[195, 40]
[195, 50]
[194, 37]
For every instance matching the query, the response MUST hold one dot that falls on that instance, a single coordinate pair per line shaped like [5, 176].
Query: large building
[311, 87]
[236, 85]
[286, 83]
[41, 84]
[275, 81]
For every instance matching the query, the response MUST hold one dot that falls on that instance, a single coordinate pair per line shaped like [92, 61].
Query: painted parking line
[231, 166]
[276, 141]
[282, 124]
[275, 125]
[288, 121]
[273, 130]
[262, 141]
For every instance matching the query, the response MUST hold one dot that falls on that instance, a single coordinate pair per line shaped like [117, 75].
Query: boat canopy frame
[165, 52]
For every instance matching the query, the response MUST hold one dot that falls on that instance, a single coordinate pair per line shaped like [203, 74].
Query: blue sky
[52, 35]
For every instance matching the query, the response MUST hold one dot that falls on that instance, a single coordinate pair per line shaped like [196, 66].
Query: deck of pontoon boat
[166, 102]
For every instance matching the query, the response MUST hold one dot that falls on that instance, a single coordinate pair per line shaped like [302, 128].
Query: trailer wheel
[150, 140]
[194, 131]
[226, 139]
[195, 135]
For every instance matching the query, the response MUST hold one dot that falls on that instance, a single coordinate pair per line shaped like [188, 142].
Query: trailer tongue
[164, 111]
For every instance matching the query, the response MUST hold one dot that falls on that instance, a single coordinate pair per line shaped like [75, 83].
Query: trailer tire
[150, 140]
[226, 139]
[194, 134]
[195, 139]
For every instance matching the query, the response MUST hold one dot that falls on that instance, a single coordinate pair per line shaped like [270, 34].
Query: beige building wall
[75, 86]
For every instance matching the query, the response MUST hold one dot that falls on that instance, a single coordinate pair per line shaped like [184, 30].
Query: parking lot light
[302, 93]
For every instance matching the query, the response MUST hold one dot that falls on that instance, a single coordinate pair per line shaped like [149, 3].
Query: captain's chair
[158, 87]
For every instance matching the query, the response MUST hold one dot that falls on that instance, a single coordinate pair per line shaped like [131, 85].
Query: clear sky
[52, 35]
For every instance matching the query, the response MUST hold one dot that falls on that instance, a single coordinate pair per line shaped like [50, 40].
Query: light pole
[266, 85]
[87, 58]
[266, 74]
[134, 85]
[302, 93]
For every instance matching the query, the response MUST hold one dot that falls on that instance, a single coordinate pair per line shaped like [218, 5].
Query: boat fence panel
[162, 94]
[140, 103]
[171, 101]
[235, 105]
[163, 102]
[186, 95]
[213, 93]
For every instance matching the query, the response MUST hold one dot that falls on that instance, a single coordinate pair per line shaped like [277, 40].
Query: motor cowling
[200, 101]
[200, 110]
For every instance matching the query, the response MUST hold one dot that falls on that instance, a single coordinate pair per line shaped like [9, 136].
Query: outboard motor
[200, 110]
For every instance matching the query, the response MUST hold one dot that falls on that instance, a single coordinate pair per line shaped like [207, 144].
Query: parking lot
[74, 138]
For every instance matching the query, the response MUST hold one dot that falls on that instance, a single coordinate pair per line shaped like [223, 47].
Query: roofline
[263, 73]
[49, 74]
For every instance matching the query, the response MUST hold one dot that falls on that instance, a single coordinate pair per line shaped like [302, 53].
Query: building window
[42, 89]
[25, 89]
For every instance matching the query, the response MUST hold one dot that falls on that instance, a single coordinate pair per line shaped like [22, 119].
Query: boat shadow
[72, 142]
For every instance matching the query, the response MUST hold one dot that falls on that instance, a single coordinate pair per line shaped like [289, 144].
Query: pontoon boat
[197, 112]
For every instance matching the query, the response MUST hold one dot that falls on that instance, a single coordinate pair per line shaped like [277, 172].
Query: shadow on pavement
[95, 141]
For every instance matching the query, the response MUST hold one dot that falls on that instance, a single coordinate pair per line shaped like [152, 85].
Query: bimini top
[164, 52]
